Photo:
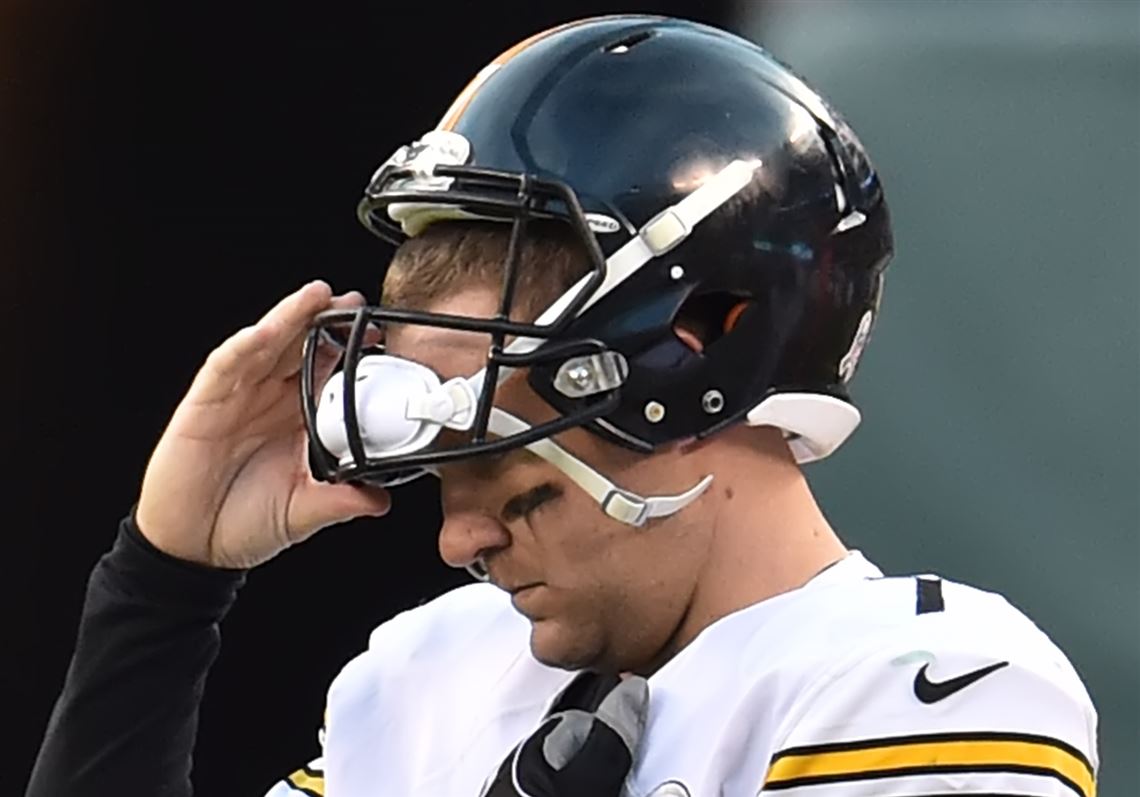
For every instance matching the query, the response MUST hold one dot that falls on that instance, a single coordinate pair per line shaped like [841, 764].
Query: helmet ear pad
[713, 328]
[679, 345]
[689, 337]
[706, 317]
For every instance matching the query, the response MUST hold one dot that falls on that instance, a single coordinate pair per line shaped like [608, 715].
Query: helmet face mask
[476, 191]
[704, 182]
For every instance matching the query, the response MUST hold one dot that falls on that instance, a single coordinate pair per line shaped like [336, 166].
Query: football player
[638, 263]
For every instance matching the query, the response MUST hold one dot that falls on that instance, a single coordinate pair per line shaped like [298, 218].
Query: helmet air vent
[628, 43]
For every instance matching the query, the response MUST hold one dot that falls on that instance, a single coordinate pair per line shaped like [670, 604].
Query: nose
[467, 536]
[469, 532]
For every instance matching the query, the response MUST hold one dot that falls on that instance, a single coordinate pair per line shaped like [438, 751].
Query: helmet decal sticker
[851, 358]
[599, 222]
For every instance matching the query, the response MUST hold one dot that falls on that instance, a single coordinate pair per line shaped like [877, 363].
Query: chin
[557, 644]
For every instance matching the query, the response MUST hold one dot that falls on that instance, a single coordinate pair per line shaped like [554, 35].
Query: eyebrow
[524, 503]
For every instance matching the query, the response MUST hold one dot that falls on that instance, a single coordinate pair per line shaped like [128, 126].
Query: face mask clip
[451, 405]
[588, 375]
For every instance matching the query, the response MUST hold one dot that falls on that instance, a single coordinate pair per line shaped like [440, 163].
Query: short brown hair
[453, 255]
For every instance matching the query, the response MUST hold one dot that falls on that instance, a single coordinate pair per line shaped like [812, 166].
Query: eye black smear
[525, 503]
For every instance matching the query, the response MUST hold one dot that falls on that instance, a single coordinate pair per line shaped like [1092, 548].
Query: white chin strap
[622, 505]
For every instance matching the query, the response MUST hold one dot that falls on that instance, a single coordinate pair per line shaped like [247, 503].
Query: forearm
[126, 720]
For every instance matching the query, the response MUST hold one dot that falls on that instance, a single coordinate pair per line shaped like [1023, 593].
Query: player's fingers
[347, 301]
[333, 343]
[579, 755]
[595, 758]
[228, 363]
[289, 319]
[566, 739]
[228, 358]
[315, 505]
[297, 308]
[327, 355]
[340, 332]
[625, 708]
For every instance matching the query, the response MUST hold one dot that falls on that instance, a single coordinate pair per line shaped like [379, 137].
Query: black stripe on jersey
[936, 769]
[929, 596]
[303, 790]
[922, 738]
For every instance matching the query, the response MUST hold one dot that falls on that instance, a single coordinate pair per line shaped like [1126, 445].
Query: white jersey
[854, 684]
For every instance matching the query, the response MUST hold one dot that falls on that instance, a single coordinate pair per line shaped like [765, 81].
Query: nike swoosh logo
[932, 691]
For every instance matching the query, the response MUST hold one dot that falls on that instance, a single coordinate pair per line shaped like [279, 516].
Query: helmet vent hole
[628, 43]
[710, 316]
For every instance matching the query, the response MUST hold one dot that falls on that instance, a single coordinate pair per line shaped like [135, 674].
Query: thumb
[625, 708]
[591, 754]
[315, 505]
[623, 711]
[566, 739]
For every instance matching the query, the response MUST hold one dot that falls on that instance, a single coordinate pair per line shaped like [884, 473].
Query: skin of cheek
[617, 592]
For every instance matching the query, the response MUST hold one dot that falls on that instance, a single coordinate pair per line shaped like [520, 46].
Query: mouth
[522, 588]
[527, 599]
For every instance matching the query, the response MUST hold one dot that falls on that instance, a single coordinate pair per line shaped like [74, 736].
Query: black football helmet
[697, 171]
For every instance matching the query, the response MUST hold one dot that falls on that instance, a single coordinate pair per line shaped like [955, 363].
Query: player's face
[599, 593]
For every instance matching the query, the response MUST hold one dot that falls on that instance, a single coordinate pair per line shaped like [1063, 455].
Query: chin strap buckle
[635, 510]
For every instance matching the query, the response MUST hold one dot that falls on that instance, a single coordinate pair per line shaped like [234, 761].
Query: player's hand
[578, 753]
[228, 484]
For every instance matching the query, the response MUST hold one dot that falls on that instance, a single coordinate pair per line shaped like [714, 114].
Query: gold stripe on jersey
[931, 754]
[308, 781]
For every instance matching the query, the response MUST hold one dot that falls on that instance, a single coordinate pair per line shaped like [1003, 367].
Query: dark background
[168, 171]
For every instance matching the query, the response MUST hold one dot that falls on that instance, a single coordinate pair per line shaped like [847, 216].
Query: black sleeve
[126, 719]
